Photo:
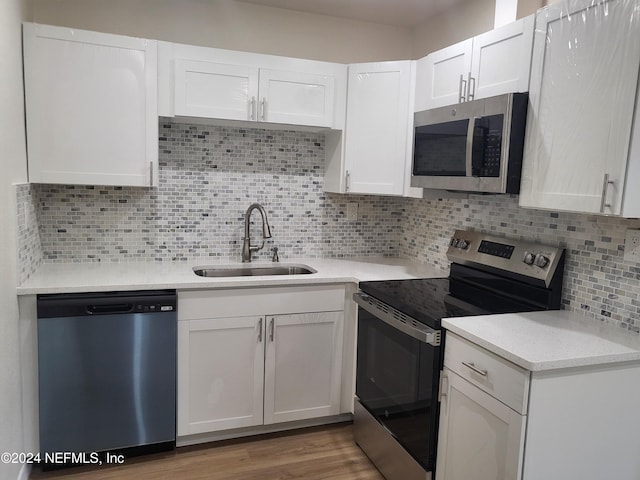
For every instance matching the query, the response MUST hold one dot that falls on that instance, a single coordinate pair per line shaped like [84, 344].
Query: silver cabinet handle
[271, 329]
[444, 386]
[253, 108]
[260, 330]
[263, 108]
[471, 93]
[605, 188]
[347, 181]
[475, 369]
[462, 90]
[151, 174]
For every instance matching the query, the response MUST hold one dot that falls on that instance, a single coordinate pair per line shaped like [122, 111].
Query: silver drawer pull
[475, 369]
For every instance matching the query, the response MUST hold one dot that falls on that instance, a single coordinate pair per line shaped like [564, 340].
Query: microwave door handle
[469, 159]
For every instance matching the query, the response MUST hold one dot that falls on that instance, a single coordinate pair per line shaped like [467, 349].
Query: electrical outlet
[632, 246]
[352, 211]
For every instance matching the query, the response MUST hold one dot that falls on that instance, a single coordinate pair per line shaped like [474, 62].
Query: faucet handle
[275, 257]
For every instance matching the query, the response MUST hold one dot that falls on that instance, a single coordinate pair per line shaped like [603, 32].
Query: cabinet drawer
[496, 376]
[243, 302]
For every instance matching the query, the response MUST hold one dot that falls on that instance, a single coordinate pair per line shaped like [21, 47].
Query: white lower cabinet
[221, 365]
[482, 415]
[576, 423]
[480, 436]
[302, 366]
[254, 369]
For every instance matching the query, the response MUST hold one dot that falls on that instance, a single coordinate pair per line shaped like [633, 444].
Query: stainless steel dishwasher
[107, 371]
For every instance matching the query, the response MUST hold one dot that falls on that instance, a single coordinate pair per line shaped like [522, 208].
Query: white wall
[234, 25]
[462, 21]
[13, 169]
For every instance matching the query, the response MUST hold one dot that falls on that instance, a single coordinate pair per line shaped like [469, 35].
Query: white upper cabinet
[490, 64]
[501, 60]
[91, 107]
[442, 76]
[377, 138]
[215, 90]
[223, 84]
[296, 98]
[583, 88]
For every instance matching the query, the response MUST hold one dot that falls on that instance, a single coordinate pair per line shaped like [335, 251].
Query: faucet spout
[247, 248]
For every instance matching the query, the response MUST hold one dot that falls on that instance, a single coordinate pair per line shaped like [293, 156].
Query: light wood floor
[321, 453]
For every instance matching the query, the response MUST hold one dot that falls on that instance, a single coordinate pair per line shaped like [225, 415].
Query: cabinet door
[501, 59]
[584, 75]
[303, 366]
[220, 374]
[446, 73]
[296, 98]
[377, 124]
[215, 90]
[91, 107]
[479, 437]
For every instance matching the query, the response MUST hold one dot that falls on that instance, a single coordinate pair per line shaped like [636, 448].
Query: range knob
[542, 261]
[529, 258]
[454, 242]
[463, 244]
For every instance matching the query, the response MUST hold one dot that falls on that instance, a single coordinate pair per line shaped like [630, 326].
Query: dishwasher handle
[109, 308]
[63, 305]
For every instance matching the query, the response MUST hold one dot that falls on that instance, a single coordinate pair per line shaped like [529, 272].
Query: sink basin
[253, 270]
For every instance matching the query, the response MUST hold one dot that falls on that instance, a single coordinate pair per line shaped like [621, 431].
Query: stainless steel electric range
[401, 343]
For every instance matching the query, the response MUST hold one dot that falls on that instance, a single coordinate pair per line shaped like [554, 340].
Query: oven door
[397, 378]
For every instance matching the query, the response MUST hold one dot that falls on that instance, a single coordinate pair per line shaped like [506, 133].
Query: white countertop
[102, 277]
[548, 340]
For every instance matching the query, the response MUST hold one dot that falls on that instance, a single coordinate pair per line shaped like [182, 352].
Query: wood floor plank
[319, 453]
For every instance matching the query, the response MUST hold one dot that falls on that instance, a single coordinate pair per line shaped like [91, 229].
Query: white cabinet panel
[220, 376]
[376, 154]
[447, 73]
[303, 366]
[479, 436]
[583, 86]
[296, 98]
[501, 60]
[91, 107]
[204, 89]
[569, 429]
[229, 85]
[490, 64]
[250, 370]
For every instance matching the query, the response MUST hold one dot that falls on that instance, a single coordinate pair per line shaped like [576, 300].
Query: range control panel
[516, 256]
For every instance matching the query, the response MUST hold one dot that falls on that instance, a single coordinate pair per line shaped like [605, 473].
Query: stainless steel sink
[253, 270]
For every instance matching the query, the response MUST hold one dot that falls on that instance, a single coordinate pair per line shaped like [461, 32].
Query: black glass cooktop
[429, 300]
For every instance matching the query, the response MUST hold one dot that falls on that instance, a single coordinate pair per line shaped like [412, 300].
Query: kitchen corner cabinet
[91, 107]
[493, 63]
[222, 84]
[258, 356]
[377, 139]
[491, 408]
[584, 79]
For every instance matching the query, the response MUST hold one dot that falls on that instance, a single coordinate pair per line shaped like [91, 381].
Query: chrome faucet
[247, 248]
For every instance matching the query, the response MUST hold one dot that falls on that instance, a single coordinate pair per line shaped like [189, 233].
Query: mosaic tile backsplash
[210, 175]
[598, 281]
[30, 254]
[208, 178]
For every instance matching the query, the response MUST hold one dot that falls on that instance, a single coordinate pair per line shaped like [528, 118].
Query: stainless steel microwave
[474, 146]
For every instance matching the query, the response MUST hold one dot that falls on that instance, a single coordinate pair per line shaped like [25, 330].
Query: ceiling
[401, 13]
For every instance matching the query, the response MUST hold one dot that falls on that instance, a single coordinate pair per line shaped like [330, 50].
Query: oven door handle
[398, 320]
